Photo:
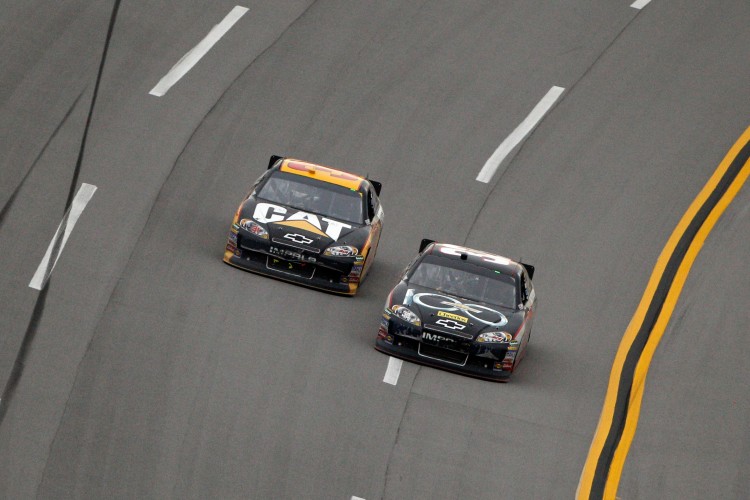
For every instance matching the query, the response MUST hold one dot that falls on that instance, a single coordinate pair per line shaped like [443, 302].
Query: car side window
[527, 287]
[371, 205]
[256, 183]
[410, 266]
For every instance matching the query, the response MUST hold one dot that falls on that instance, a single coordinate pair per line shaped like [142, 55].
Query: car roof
[481, 258]
[323, 174]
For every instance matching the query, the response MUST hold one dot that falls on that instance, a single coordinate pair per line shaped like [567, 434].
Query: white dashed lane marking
[196, 53]
[393, 371]
[519, 134]
[639, 4]
[42, 274]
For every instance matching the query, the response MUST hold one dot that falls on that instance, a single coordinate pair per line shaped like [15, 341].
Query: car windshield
[313, 196]
[472, 282]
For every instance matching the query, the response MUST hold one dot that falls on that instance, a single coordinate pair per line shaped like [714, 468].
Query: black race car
[461, 310]
[308, 224]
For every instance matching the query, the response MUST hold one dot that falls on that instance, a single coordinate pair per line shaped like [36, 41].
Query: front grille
[440, 354]
[442, 330]
[449, 341]
[299, 269]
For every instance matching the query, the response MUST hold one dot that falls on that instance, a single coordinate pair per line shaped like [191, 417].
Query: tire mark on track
[159, 194]
[12, 198]
[38, 312]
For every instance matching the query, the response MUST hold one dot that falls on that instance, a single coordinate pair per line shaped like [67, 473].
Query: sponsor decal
[235, 228]
[359, 258]
[233, 238]
[298, 238]
[287, 254]
[456, 317]
[436, 338]
[268, 212]
[478, 312]
[450, 324]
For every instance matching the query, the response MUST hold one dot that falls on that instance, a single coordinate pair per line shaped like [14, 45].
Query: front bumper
[475, 363]
[256, 257]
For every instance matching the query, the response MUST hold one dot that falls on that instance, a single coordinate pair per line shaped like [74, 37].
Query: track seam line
[138, 239]
[12, 197]
[398, 431]
[568, 90]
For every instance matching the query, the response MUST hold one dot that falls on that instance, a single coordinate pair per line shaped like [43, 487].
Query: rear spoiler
[529, 269]
[424, 244]
[273, 160]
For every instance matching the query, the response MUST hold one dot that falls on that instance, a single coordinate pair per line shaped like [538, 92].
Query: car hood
[290, 226]
[465, 318]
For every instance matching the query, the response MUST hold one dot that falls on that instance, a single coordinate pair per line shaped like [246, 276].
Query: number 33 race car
[308, 224]
[461, 310]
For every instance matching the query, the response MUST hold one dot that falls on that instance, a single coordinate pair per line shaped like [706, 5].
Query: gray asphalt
[156, 371]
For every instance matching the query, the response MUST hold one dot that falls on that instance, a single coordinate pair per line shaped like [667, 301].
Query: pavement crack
[510, 161]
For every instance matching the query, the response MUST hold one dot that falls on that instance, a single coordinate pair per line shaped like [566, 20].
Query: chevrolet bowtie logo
[298, 238]
[450, 324]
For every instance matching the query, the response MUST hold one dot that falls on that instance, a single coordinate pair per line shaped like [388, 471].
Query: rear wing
[424, 244]
[377, 185]
[529, 269]
[273, 160]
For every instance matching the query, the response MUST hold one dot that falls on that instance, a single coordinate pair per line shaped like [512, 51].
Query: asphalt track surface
[153, 370]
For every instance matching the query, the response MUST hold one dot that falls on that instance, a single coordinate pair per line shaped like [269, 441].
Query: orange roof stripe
[325, 174]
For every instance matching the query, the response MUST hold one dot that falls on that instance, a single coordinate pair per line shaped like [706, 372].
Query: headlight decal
[406, 314]
[341, 251]
[255, 228]
[495, 338]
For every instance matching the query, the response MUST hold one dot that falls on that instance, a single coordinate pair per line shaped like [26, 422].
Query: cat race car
[308, 224]
[461, 310]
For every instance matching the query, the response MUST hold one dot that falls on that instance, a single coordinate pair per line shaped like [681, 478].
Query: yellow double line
[622, 404]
